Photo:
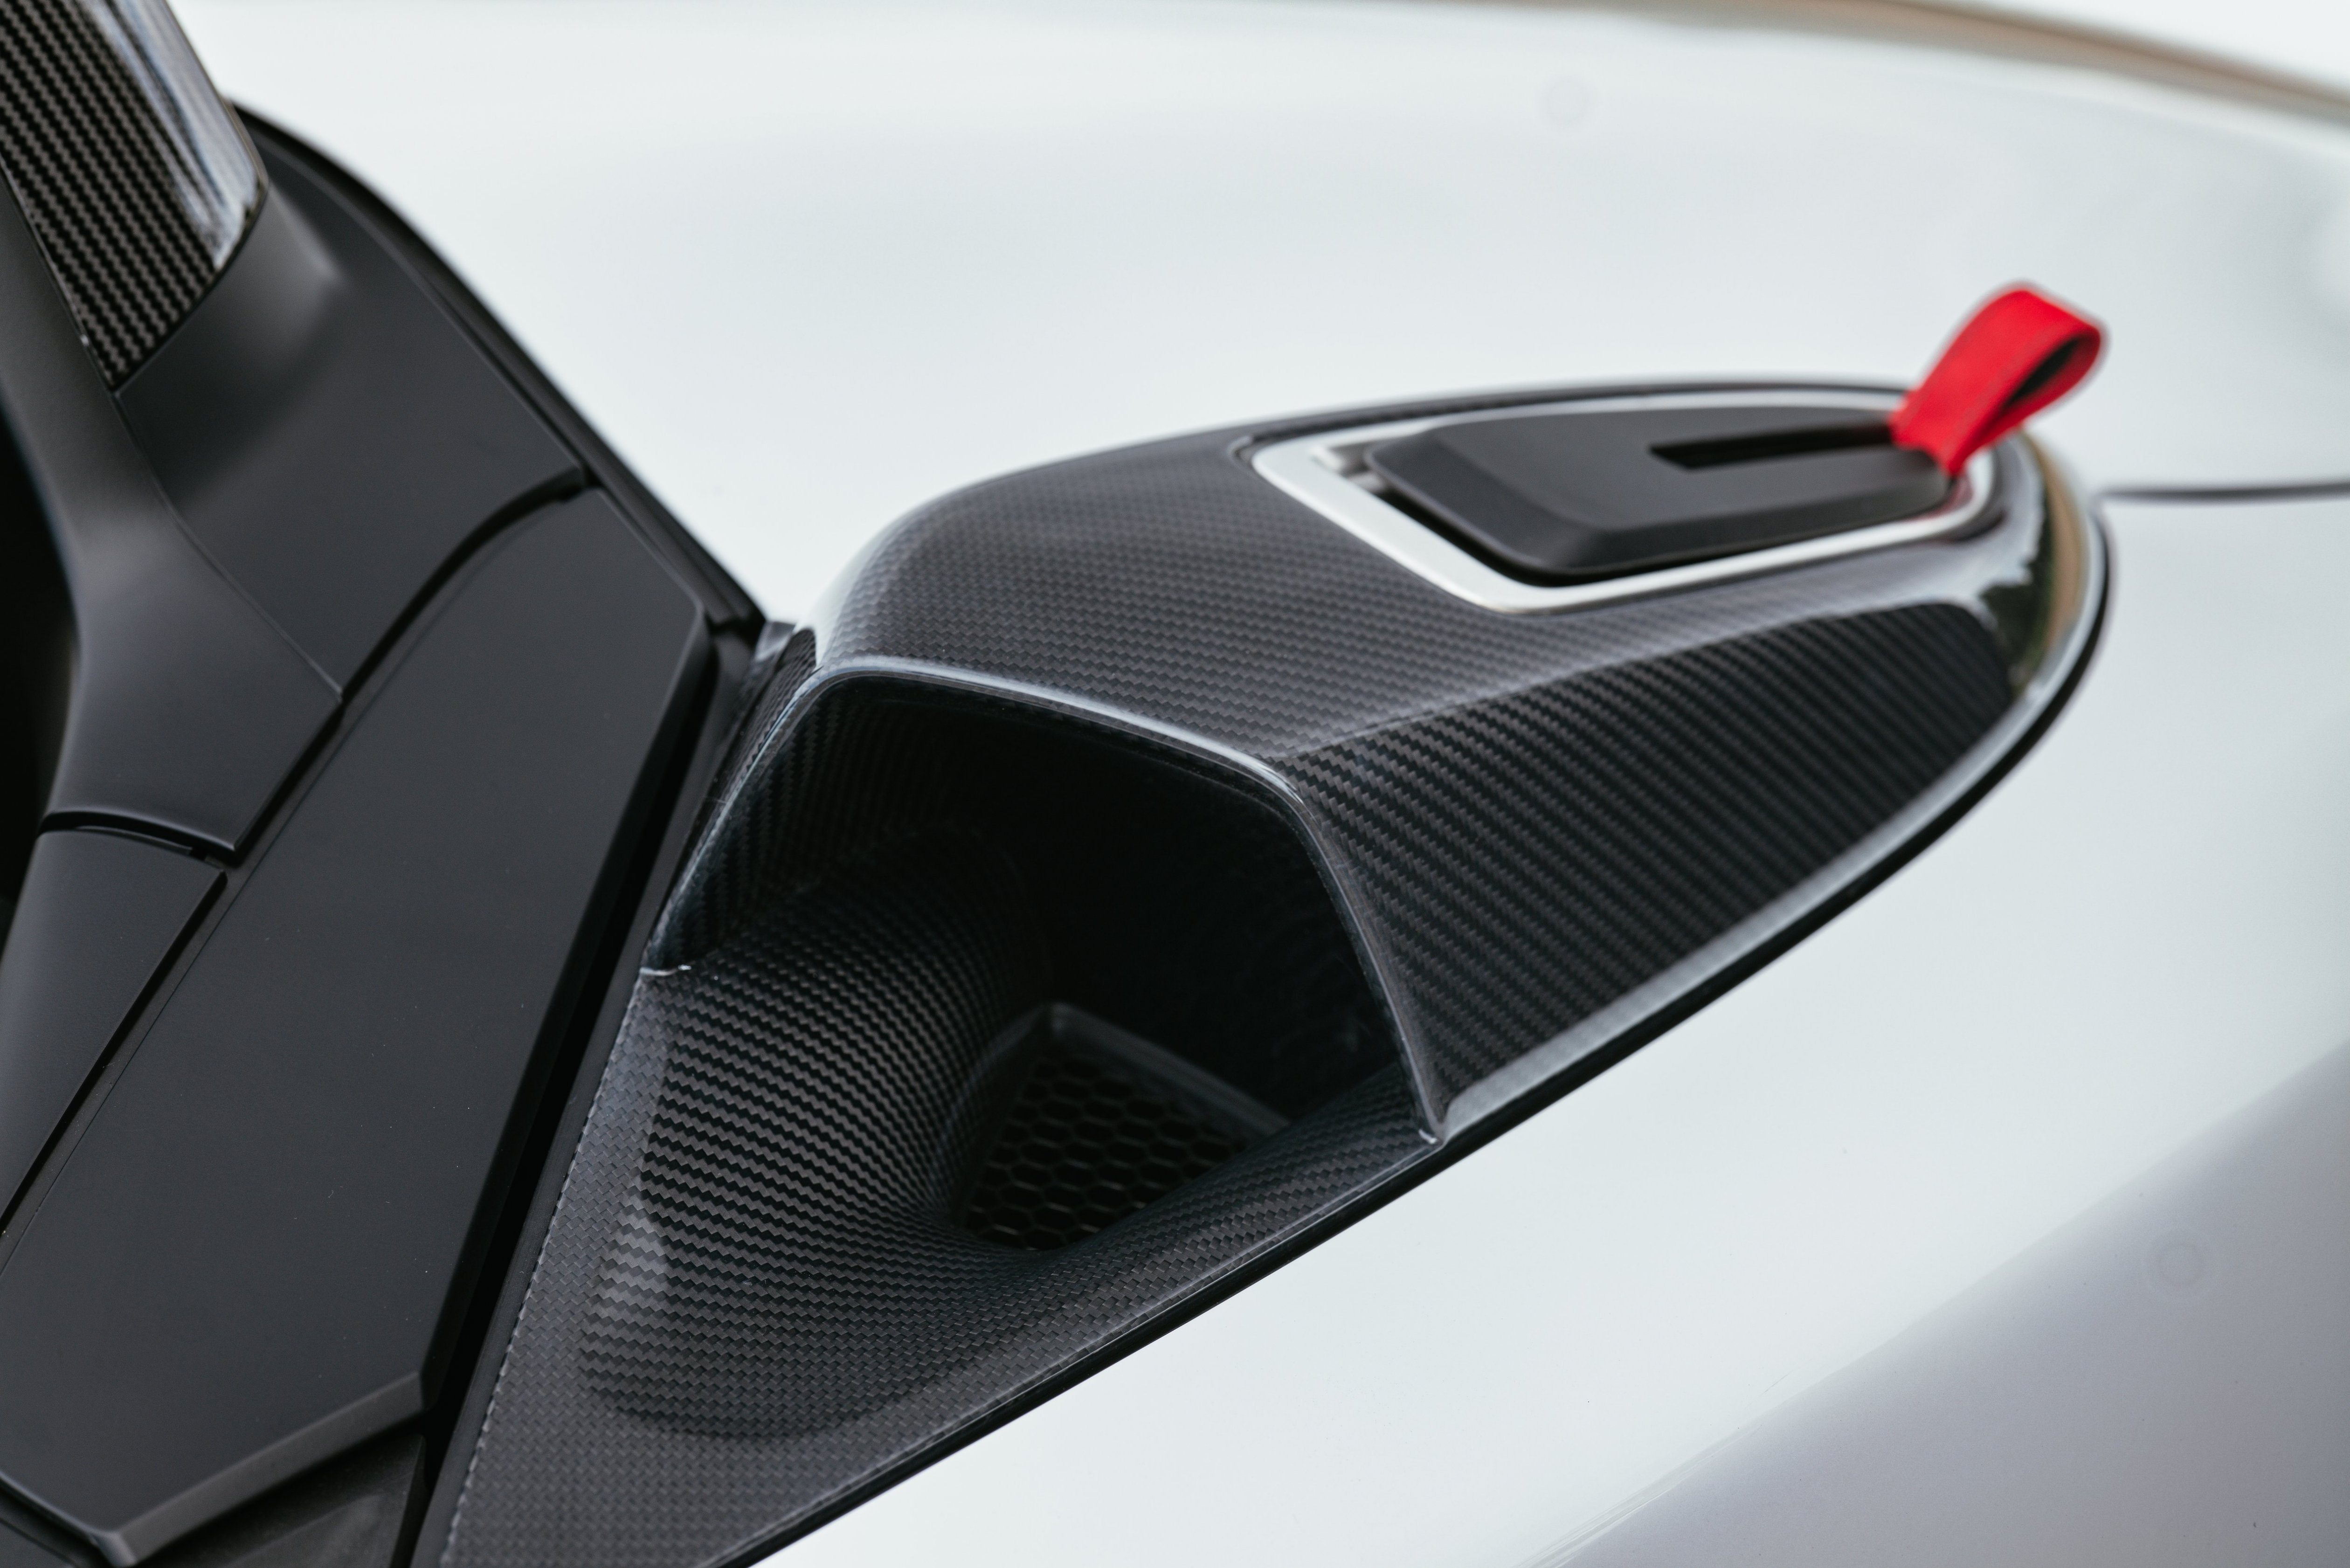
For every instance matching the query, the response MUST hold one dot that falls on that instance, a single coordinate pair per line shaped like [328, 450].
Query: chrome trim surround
[1326, 471]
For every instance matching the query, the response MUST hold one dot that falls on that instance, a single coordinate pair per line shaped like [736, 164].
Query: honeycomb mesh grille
[1082, 1148]
[126, 165]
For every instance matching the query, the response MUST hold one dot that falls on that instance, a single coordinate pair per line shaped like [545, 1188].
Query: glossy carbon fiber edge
[132, 172]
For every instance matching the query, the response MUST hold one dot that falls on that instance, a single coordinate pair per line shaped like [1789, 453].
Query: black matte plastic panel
[245, 1260]
[99, 916]
[188, 707]
[15, 1552]
[350, 1512]
[1558, 497]
[326, 429]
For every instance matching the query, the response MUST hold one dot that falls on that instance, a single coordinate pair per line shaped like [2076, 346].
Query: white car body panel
[808, 265]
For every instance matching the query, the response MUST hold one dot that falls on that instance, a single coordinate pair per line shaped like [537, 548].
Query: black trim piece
[725, 601]
[327, 433]
[189, 708]
[2188, 494]
[1572, 496]
[530, 1203]
[102, 915]
[387, 981]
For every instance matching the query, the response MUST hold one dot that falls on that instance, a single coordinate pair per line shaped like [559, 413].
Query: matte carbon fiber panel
[1533, 857]
[1398, 820]
[130, 170]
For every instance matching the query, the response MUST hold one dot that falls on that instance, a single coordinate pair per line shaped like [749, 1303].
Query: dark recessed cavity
[1098, 1124]
[36, 670]
[1765, 445]
[1099, 967]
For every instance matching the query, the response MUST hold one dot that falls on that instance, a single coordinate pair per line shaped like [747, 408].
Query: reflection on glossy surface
[2136, 936]
[125, 164]
[211, 169]
[809, 264]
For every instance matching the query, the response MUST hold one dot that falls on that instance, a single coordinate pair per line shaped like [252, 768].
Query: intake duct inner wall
[761, 1286]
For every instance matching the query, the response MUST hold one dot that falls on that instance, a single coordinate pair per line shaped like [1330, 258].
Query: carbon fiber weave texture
[1171, 582]
[1543, 810]
[126, 165]
[755, 1297]
[1531, 858]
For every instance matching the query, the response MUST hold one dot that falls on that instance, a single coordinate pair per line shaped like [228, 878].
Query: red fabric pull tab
[2013, 358]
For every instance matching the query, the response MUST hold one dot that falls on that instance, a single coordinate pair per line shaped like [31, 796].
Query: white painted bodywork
[808, 266]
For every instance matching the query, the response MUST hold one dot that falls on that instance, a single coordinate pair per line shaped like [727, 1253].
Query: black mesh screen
[126, 165]
[1081, 1150]
[1099, 1127]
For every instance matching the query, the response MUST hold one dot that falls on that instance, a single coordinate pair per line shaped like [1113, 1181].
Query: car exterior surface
[2004, 1216]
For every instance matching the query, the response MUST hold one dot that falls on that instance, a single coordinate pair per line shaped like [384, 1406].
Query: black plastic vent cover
[1554, 498]
[1021, 988]
[132, 175]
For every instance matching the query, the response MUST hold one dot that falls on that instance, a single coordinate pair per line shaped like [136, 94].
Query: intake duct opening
[970, 1013]
[1167, 896]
